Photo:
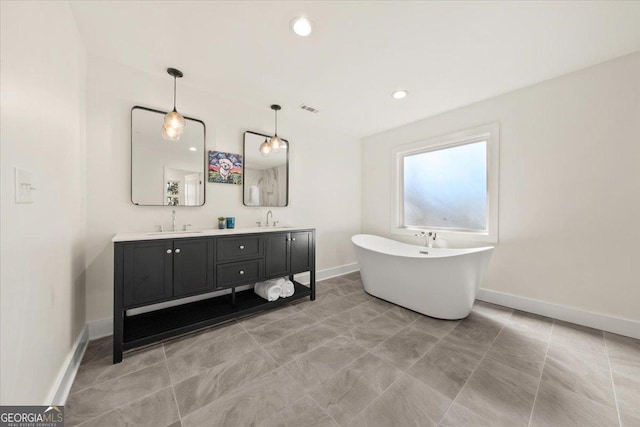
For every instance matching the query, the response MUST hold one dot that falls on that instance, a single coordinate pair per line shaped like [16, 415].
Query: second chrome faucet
[429, 237]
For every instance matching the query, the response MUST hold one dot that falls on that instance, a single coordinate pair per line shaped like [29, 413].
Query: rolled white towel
[268, 290]
[288, 289]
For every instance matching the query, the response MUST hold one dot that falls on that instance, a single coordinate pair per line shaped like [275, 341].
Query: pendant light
[174, 123]
[276, 143]
[170, 134]
[265, 148]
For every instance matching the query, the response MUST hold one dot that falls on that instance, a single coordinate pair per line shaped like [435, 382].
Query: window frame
[489, 133]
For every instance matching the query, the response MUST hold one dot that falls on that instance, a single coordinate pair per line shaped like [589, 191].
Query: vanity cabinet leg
[312, 282]
[233, 297]
[117, 338]
[118, 311]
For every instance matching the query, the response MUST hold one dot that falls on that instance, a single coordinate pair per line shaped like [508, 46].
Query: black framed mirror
[266, 177]
[166, 173]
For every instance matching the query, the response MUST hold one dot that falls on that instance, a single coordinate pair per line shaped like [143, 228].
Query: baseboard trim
[62, 385]
[616, 325]
[100, 328]
[328, 273]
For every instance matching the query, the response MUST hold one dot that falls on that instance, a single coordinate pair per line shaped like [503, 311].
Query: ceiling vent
[309, 109]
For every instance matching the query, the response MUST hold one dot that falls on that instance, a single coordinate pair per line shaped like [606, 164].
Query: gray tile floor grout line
[258, 314]
[318, 403]
[315, 323]
[376, 399]
[118, 407]
[114, 378]
[262, 347]
[391, 362]
[613, 384]
[544, 362]
[122, 406]
[110, 379]
[297, 357]
[288, 335]
[423, 356]
[474, 371]
[173, 390]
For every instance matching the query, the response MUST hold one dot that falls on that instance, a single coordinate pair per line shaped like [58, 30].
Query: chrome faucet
[268, 213]
[429, 238]
[173, 220]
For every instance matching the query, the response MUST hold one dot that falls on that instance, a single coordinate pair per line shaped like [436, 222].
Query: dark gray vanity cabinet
[193, 266]
[148, 272]
[302, 251]
[159, 270]
[277, 259]
[240, 260]
[288, 253]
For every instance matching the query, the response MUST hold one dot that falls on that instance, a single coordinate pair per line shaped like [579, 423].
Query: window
[449, 185]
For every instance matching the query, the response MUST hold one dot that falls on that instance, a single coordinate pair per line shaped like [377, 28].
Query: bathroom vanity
[153, 268]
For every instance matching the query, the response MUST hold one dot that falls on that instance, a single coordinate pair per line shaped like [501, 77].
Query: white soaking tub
[438, 282]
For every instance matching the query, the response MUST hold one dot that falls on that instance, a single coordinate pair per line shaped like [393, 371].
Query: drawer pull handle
[241, 246]
[168, 251]
[241, 272]
[177, 251]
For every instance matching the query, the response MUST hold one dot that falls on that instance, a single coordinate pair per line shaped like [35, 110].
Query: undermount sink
[265, 227]
[159, 233]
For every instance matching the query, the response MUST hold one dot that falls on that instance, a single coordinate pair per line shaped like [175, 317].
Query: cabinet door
[192, 266]
[276, 254]
[147, 272]
[301, 251]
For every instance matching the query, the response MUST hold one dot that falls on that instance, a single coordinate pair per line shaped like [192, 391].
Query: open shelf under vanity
[147, 328]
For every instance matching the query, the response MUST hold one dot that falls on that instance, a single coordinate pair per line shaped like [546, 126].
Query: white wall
[324, 181]
[42, 244]
[569, 186]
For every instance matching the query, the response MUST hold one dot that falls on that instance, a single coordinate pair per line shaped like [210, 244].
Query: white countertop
[157, 235]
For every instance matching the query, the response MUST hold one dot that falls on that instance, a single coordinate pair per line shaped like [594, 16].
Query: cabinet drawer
[238, 248]
[237, 273]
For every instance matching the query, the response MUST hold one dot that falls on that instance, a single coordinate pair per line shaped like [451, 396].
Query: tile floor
[351, 359]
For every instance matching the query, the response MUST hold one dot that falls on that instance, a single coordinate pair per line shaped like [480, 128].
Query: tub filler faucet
[429, 238]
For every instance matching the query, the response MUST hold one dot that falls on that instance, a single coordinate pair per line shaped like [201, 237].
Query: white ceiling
[447, 54]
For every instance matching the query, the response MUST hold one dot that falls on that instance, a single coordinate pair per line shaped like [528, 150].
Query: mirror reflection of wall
[266, 178]
[168, 173]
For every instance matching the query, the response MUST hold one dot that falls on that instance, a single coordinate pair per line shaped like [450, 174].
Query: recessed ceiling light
[399, 94]
[301, 26]
[193, 149]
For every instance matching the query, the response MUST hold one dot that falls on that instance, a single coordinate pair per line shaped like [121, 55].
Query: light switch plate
[24, 186]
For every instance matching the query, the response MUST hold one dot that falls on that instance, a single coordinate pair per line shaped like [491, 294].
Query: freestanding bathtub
[437, 282]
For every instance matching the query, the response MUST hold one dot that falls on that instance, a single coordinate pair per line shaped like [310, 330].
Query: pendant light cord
[174, 93]
[276, 122]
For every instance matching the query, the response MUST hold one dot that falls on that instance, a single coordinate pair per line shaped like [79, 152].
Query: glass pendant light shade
[265, 148]
[170, 134]
[175, 121]
[276, 143]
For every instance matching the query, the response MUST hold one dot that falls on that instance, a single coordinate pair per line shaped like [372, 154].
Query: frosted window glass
[447, 188]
